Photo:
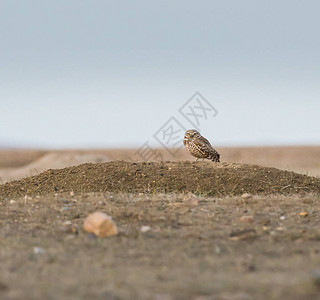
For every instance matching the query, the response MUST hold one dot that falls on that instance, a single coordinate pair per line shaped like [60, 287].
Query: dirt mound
[159, 177]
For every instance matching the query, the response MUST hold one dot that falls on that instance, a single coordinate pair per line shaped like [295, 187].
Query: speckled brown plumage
[199, 147]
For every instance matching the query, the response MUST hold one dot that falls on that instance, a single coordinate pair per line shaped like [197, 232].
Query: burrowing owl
[199, 147]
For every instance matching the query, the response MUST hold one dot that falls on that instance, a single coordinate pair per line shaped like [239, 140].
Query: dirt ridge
[204, 178]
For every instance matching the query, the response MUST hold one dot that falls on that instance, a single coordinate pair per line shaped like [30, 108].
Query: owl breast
[196, 149]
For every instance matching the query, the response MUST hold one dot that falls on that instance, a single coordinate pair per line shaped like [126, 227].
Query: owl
[199, 147]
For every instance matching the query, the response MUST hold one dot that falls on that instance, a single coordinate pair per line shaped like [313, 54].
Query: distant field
[16, 164]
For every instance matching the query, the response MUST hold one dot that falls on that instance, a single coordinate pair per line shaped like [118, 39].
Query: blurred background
[106, 74]
[94, 81]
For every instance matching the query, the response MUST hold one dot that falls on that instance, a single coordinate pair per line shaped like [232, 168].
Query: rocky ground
[169, 246]
[187, 230]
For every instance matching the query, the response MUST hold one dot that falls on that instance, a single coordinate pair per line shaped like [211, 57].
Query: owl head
[191, 134]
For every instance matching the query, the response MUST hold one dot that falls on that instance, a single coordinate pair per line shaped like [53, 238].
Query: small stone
[279, 228]
[303, 214]
[246, 196]
[246, 219]
[145, 228]
[100, 224]
[12, 202]
[67, 223]
[38, 250]
[72, 229]
[72, 193]
[282, 218]
[217, 249]
[243, 234]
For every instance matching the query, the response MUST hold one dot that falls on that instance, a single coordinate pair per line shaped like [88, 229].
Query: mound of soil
[204, 178]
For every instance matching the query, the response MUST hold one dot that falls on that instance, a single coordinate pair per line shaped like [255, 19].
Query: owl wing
[205, 142]
[210, 151]
[202, 145]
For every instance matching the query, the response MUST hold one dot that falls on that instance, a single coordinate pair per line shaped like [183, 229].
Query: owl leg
[197, 159]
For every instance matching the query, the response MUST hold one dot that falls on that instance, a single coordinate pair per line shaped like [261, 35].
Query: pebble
[100, 224]
[72, 193]
[145, 228]
[67, 223]
[71, 229]
[242, 234]
[217, 249]
[38, 250]
[246, 219]
[246, 196]
[282, 218]
[12, 202]
[303, 214]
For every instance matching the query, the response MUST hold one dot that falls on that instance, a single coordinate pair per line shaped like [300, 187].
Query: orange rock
[100, 224]
[246, 219]
[303, 214]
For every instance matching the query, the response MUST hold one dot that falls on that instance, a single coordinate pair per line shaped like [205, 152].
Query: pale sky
[111, 73]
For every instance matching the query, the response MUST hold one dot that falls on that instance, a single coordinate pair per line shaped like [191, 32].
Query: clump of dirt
[203, 178]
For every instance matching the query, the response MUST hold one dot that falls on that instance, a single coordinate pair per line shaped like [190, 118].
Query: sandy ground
[201, 239]
[196, 248]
